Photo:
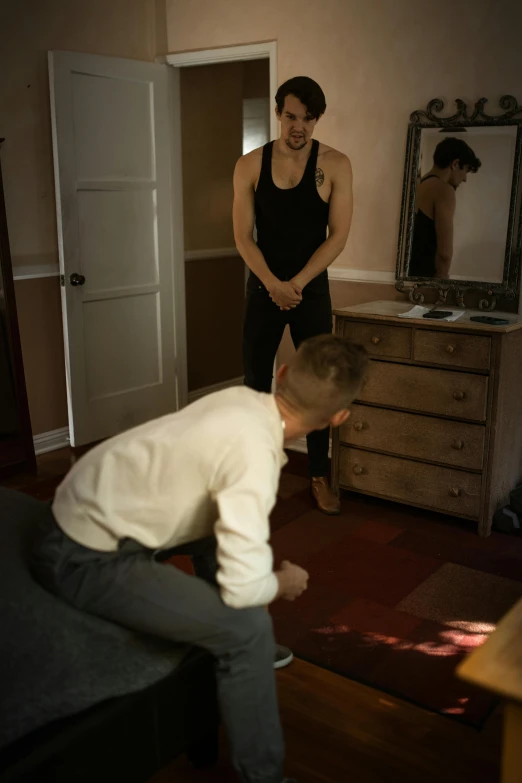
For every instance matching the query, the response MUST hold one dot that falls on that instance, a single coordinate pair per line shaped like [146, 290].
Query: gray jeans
[132, 588]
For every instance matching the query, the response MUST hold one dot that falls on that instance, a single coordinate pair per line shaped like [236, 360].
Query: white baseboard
[360, 275]
[198, 393]
[34, 271]
[217, 252]
[51, 441]
[31, 271]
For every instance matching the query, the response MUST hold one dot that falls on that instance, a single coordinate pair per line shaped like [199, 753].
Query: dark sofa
[82, 698]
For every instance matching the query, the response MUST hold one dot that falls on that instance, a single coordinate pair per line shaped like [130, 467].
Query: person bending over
[203, 482]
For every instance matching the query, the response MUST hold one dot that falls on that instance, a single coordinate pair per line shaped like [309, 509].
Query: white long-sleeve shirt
[211, 468]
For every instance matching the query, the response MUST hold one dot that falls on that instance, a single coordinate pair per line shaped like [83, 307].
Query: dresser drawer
[442, 392]
[444, 489]
[420, 437]
[380, 339]
[459, 350]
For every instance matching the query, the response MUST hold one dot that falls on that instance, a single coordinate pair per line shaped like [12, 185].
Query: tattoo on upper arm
[319, 177]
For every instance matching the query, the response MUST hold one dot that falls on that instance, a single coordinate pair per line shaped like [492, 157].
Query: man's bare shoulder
[335, 163]
[332, 157]
[248, 166]
[444, 192]
[331, 152]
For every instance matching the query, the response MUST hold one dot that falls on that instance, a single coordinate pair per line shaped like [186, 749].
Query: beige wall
[377, 61]
[28, 29]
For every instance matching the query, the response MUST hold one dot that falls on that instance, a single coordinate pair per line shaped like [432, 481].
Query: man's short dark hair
[325, 375]
[450, 149]
[307, 91]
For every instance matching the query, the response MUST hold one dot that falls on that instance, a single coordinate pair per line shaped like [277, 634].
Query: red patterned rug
[397, 596]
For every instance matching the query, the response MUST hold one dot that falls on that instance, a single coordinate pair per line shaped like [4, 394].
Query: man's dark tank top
[424, 245]
[291, 224]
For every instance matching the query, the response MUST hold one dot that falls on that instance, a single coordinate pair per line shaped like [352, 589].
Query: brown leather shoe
[326, 501]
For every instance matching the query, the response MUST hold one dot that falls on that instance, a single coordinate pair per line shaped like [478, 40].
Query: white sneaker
[283, 657]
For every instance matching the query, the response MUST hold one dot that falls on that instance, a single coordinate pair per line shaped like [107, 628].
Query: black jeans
[263, 329]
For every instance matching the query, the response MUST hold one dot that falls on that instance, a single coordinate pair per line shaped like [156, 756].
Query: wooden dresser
[438, 423]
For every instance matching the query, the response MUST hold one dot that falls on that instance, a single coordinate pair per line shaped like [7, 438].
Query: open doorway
[225, 112]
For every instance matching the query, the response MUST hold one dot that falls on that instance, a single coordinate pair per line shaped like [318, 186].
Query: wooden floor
[51, 467]
[338, 731]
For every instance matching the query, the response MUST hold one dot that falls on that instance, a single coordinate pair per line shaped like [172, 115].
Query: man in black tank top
[298, 195]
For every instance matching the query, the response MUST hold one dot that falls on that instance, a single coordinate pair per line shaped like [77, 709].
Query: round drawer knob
[459, 395]
[376, 340]
[357, 470]
[450, 349]
[457, 445]
[359, 426]
[455, 492]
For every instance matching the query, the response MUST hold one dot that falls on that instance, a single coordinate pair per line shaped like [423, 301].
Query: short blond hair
[325, 375]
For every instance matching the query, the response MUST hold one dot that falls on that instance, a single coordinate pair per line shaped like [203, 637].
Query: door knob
[76, 279]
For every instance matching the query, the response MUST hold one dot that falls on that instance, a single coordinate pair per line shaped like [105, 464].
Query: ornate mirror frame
[508, 289]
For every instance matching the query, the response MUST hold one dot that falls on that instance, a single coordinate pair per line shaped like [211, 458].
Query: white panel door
[118, 193]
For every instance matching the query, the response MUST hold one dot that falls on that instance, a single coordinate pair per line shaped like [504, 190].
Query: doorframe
[178, 242]
[222, 54]
[228, 54]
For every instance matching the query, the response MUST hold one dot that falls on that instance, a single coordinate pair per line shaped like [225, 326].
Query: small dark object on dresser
[489, 319]
[438, 314]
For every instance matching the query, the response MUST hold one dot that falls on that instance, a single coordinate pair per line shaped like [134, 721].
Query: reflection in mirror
[461, 212]
[462, 201]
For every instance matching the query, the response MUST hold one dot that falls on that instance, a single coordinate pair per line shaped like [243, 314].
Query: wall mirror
[461, 227]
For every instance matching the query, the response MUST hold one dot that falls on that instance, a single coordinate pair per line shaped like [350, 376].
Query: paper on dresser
[415, 312]
[418, 312]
